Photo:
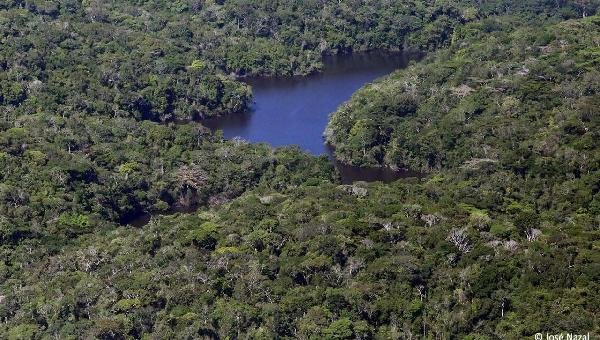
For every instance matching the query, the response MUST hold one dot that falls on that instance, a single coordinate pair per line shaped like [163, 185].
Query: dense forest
[101, 108]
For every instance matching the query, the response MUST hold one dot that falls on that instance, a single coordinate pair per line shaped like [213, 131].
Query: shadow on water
[351, 173]
[143, 219]
[295, 110]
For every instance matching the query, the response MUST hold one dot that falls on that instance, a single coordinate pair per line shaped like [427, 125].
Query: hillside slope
[498, 93]
[502, 242]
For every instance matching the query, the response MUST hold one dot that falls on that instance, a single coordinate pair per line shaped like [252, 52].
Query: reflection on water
[295, 110]
[143, 219]
[350, 173]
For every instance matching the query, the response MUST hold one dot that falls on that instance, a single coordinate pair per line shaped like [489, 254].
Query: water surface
[295, 110]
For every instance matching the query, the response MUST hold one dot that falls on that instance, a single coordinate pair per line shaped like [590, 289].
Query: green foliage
[339, 329]
[73, 224]
[125, 305]
[23, 332]
[500, 241]
[205, 235]
[489, 93]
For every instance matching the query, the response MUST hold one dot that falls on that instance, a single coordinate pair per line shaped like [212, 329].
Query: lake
[295, 110]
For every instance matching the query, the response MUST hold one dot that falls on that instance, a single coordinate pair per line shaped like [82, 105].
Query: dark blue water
[295, 110]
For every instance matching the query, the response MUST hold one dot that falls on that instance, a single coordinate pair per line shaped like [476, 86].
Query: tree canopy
[122, 216]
